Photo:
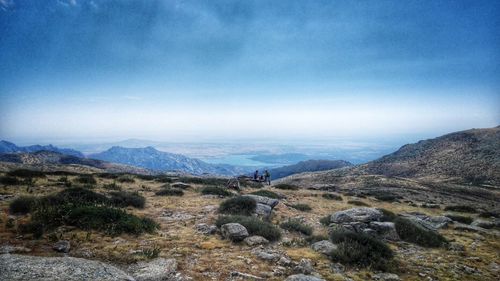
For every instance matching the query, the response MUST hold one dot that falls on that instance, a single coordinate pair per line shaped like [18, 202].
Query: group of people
[266, 177]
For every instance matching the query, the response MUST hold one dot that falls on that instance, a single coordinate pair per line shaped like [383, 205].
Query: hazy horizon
[195, 71]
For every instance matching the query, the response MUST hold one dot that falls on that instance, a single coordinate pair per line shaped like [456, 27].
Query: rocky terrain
[308, 166]
[8, 147]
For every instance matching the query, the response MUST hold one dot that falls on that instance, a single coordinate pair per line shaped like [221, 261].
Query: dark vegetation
[216, 190]
[459, 218]
[360, 249]
[125, 199]
[240, 205]
[22, 205]
[86, 179]
[125, 178]
[164, 179]
[413, 233]
[332, 196]
[204, 181]
[9, 180]
[112, 186]
[316, 238]
[251, 184]
[254, 225]
[24, 173]
[301, 207]
[170, 192]
[325, 220]
[489, 214]
[461, 208]
[267, 193]
[297, 226]
[358, 203]
[286, 186]
[387, 215]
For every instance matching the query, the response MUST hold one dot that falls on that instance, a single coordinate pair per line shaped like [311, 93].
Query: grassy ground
[212, 258]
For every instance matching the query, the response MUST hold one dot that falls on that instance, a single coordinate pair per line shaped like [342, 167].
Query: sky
[194, 70]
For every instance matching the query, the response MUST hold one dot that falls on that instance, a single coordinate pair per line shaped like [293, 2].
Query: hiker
[256, 175]
[267, 176]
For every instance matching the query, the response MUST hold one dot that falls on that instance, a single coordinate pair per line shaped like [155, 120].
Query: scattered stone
[18, 268]
[284, 261]
[206, 228]
[264, 200]
[263, 210]
[7, 249]
[302, 277]
[256, 240]
[304, 267]
[324, 247]
[156, 270]
[62, 246]
[456, 247]
[386, 277]
[267, 256]
[362, 214]
[176, 216]
[245, 276]
[180, 185]
[234, 231]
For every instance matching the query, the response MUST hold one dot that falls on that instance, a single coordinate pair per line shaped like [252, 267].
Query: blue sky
[236, 69]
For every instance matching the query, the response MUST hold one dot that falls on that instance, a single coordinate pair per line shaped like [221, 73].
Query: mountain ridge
[9, 147]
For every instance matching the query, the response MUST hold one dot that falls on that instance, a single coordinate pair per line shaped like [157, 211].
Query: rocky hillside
[308, 166]
[153, 159]
[470, 156]
[8, 147]
[41, 160]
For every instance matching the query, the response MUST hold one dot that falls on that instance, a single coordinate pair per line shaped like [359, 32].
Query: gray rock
[304, 267]
[159, 269]
[7, 249]
[22, 268]
[206, 228]
[483, 223]
[245, 276]
[234, 231]
[267, 256]
[263, 210]
[324, 247]
[362, 214]
[264, 200]
[256, 240]
[302, 277]
[471, 228]
[385, 230]
[62, 246]
[386, 277]
[456, 247]
[428, 222]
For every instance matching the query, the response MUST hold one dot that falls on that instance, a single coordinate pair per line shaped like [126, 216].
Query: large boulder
[263, 210]
[17, 268]
[362, 214]
[385, 230]
[264, 200]
[256, 240]
[156, 270]
[324, 247]
[302, 277]
[234, 231]
[62, 246]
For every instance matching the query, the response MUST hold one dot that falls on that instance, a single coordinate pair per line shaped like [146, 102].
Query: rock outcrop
[234, 231]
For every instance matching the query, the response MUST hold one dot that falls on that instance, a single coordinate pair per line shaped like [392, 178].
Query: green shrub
[298, 226]
[9, 180]
[22, 205]
[204, 181]
[316, 238]
[254, 225]
[411, 232]
[325, 220]
[387, 197]
[489, 214]
[146, 177]
[86, 179]
[301, 207]
[125, 178]
[24, 173]
[387, 215]
[332, 196]
[359, 249]
[112, 186]
[170, 192]
[112, 176]
[358, 203]
[124, 199]
[164, 179]
[267, 193]
[35, 228]
[251, 184]
[216, 190]
[286, 186]
[459, 218]
[240, 205]
[461, 208]
[75, 195]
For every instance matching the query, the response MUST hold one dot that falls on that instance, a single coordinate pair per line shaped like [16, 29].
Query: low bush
[216, 190]
[387, 197]
[360, 249]
[489, 214]
[146, 177]
[301, 207]
[387, 215]
[22, 205]
[9, 180]
[332, 196]
[267, 193]
[35, 228]
[240, 205]
[124, 199]
[24, 173]
[461, 208]
[298, 226]
[125, 178]
[74, 195]
[316, 238]
[112, 186]
[164, 179]
[112, 176]
[286, 186]
[325, 220]
[251, 184]
[459, 218]
[204, 181]
[358, 203]
[86, 179]
[411, 232]
[170, 192]
[254, 225]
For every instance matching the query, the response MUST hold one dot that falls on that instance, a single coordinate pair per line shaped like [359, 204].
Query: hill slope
[150, 158]
[472, 155]
[8, 147]
[308, 166]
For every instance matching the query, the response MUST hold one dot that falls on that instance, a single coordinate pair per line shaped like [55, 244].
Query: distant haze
[230, 70]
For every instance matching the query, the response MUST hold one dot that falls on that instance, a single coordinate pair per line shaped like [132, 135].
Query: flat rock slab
[325, 247]
[362, 214]
[156, 270]
[264, 200]
[302, 277]
[17, 267]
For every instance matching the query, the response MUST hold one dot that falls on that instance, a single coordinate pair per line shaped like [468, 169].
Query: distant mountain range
[308, 166]
[8, 147]
[153, 159]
